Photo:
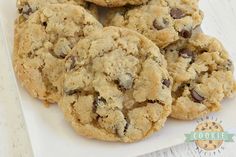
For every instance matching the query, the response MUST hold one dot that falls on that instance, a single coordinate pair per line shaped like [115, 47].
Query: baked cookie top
[117, 3]
[162, 21]
[202, 76]
[116, 86]
[28, 7]
[43, 42]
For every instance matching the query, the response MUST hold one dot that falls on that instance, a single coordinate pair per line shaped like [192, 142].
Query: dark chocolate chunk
[185, 53]
[20, 10]
[176, 13]
[126, 126]
[73, 61]
[62, 55]
[155, 101]
[45, 24]
[156, 25]
[71, 91]
[197, 98]
[185, 33]
[160, 25]
[166, 82]
[229, 65]
[125, 82]
[27, 10]
[98, 101]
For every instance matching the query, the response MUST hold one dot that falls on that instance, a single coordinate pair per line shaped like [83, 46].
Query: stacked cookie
[120, 81]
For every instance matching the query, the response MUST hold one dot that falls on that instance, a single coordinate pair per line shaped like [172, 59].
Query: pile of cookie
[118, 74]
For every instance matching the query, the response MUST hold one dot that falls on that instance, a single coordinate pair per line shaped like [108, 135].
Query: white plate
[51, 135]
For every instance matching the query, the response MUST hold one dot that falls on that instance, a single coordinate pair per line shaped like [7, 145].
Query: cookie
[162, 21]
[42, 44]
[117, 3]
[202, 76]
[27, 7]
[116, 86]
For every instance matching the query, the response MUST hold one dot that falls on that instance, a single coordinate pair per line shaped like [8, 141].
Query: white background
[220, 21]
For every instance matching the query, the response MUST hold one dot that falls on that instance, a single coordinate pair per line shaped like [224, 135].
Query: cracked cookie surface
[117, 3]
[43, 42]
[28, 7]
[162, 21]
[116, 87]
[202, 76]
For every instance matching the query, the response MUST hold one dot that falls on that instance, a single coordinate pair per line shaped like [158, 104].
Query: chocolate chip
[155, 101]
[125, 81]
[20, 10]
[45, 24]
[73, 61]
[185, 33]
[229, 65]
[98, 101]
[27, 10]
[159, 25]
[185, 53]
[62, 55]
[176, 13]
[126, 125]
[188, 84]
[71, 91]
[152, 101]
[166, 82]
[156, 25]
[197, 98]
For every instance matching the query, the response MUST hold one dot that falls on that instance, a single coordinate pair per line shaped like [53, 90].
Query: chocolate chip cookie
[116, 86]
[27, 7]
[42, 44]
[202, 76]
[162, 21]
[117, 3]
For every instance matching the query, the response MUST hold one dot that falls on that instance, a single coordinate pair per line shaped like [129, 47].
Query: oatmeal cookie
[162, 21]
[202, 76]
[42, 44]
[116, 86]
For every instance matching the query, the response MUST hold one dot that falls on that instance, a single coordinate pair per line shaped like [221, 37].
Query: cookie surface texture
[202, 76]
[116, 86]
[162, 21]
[28, 7]
[42, 44]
